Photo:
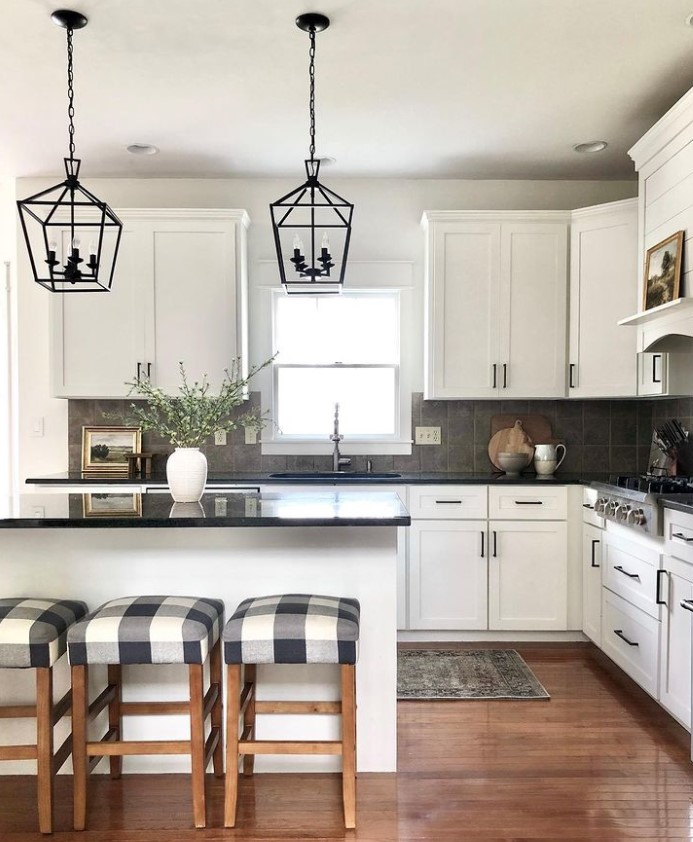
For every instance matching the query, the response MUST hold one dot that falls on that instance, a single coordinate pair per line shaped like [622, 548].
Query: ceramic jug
[546, 458]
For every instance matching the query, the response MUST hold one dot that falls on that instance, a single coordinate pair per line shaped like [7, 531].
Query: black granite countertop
[298, 478]
[679, 502]
[122, 510]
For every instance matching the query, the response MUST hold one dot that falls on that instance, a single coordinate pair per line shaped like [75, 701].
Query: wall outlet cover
[220, 437]
[427, 435]
[250, 435]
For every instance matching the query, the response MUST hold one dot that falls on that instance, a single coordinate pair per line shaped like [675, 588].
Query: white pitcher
[546, 458]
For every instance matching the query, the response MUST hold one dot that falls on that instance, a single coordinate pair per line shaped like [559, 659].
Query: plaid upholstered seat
[33, 632]
[147, 630]
[293, 629]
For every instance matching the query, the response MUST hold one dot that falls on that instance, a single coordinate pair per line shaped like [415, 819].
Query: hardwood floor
[599, 761]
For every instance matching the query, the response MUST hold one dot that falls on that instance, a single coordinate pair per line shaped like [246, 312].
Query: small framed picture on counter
[663, 271]
[106, 449]
[112, 505]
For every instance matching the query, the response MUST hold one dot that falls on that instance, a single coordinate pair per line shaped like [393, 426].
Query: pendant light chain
[311, 75]
[70, 94]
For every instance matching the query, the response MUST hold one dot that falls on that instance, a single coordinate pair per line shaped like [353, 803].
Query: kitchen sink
[335, 475]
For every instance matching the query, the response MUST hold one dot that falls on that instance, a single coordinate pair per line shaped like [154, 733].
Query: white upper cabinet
[496, 304]
[603, 289]
[179, 295]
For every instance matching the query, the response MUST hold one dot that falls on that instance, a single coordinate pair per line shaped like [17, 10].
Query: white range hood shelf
[667, 328]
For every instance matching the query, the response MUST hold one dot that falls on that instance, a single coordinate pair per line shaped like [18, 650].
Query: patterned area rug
[465, 674]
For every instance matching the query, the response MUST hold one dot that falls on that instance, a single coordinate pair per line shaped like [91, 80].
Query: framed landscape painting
[105, 449]
[112, 505]
[663, 271]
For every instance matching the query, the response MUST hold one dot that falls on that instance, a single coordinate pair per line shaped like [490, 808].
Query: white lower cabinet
[675, 653]
[630, 637]
[592, 552]
[528, 567]
[447, 574]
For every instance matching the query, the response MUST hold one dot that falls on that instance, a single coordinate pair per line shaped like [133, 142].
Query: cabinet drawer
[589, 498]
[678, 534]
[631, 639]
[448, 501]
[630, 570]
[527, 502]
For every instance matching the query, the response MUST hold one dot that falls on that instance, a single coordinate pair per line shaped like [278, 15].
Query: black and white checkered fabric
[147, 630]
[33, 631]
[293, 629]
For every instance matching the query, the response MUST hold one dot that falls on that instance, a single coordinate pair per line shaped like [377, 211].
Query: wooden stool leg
[349, 744]
[44, 747]
[197, 743]
[250, 676]
[233, 698]
[115, 719]
[217, 714]
[79, 744]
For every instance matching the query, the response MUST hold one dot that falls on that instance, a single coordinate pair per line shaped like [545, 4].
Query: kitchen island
[231, 546]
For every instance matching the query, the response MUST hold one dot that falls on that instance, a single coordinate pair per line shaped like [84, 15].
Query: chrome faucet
[338, 461]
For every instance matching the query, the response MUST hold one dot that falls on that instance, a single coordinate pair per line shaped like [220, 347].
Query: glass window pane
[306, 399]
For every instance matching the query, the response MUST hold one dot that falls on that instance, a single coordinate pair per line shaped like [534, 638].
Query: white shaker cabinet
[675, 646]
[496, 304]
[603, 289]
[665, 374]
[179, 294]
[592, 544]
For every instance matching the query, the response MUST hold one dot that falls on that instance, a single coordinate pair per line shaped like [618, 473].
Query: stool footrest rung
[289, 747]
[18, 752]
[134, 747]
[287, 707]
[17, 711]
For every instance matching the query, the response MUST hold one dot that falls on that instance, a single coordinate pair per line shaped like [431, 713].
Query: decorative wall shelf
[677, 307]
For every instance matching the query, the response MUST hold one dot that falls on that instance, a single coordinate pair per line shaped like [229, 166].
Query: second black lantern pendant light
[312, 224]
[71, 236]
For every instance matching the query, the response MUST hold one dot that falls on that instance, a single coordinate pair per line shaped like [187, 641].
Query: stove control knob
[612, 507]
[600, 505]
[636, 517]
[622, 512]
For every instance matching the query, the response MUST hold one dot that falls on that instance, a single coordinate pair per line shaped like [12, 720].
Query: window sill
[372, 447]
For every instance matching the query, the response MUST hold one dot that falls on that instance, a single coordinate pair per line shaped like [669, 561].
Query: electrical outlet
[427, 435]
[250, 435]
[220, 437]
[220, 506]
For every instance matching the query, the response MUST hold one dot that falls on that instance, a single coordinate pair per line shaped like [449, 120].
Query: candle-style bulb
[325, 241]
[92, 248]
[298, 245]
[53, 245]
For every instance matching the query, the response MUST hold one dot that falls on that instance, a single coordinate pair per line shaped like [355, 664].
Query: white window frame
[274, 442]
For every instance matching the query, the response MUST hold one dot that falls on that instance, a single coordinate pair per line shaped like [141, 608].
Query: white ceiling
[405, 88]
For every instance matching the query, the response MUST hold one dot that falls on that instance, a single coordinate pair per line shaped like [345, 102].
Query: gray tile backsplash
[600, 435]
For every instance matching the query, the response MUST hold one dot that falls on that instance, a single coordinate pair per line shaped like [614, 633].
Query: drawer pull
[626, 573]
[619, 633]
[588, 506]
[483, 540]
[595, 541]
[529, 502]
[658, 594]
[687, 604]
[681, 537]
[495, 544]
[449, 502]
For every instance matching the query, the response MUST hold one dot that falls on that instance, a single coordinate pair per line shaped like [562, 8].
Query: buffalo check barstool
[33, 635]
[147, 630]
[289, 629]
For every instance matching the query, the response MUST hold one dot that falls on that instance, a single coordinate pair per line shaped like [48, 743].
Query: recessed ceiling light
[591, 146]
[142, 149]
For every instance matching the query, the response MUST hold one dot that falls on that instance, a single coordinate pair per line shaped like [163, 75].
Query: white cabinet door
[462, 308]
[447, 574]
[675, 653]
[528, 574]
[603, 289]
[592, 583]
[179, 294]
[533, 310]
[665, 374]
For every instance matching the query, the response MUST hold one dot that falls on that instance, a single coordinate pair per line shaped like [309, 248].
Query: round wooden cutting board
[510, 440]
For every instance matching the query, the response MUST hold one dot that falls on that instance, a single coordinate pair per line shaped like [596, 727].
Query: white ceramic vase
[186, 474]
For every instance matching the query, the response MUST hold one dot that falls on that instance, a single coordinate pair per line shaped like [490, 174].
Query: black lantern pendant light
[71, 236]
[312, 224]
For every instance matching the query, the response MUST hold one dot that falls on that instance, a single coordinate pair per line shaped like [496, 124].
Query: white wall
[7, 337]
[386, 227]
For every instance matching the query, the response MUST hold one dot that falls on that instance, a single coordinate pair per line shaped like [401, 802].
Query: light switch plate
[427, 435]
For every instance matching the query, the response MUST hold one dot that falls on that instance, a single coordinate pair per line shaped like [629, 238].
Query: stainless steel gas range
[633, 500]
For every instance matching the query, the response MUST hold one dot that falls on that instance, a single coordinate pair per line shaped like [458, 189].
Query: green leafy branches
[191, 416]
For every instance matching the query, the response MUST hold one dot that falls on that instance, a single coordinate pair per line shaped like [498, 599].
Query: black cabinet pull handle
[494, 367]
[681, 537]
[505, 375]
[529, 502]
[149, 371]
[571, 371]
[452, 502]
[595, 541]
[687, 604]
[619, 633]
[495, 544]
[139, 371]
[587, 506]
[626, 573]
[658, 593]
[655, 357]
[483, 537]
